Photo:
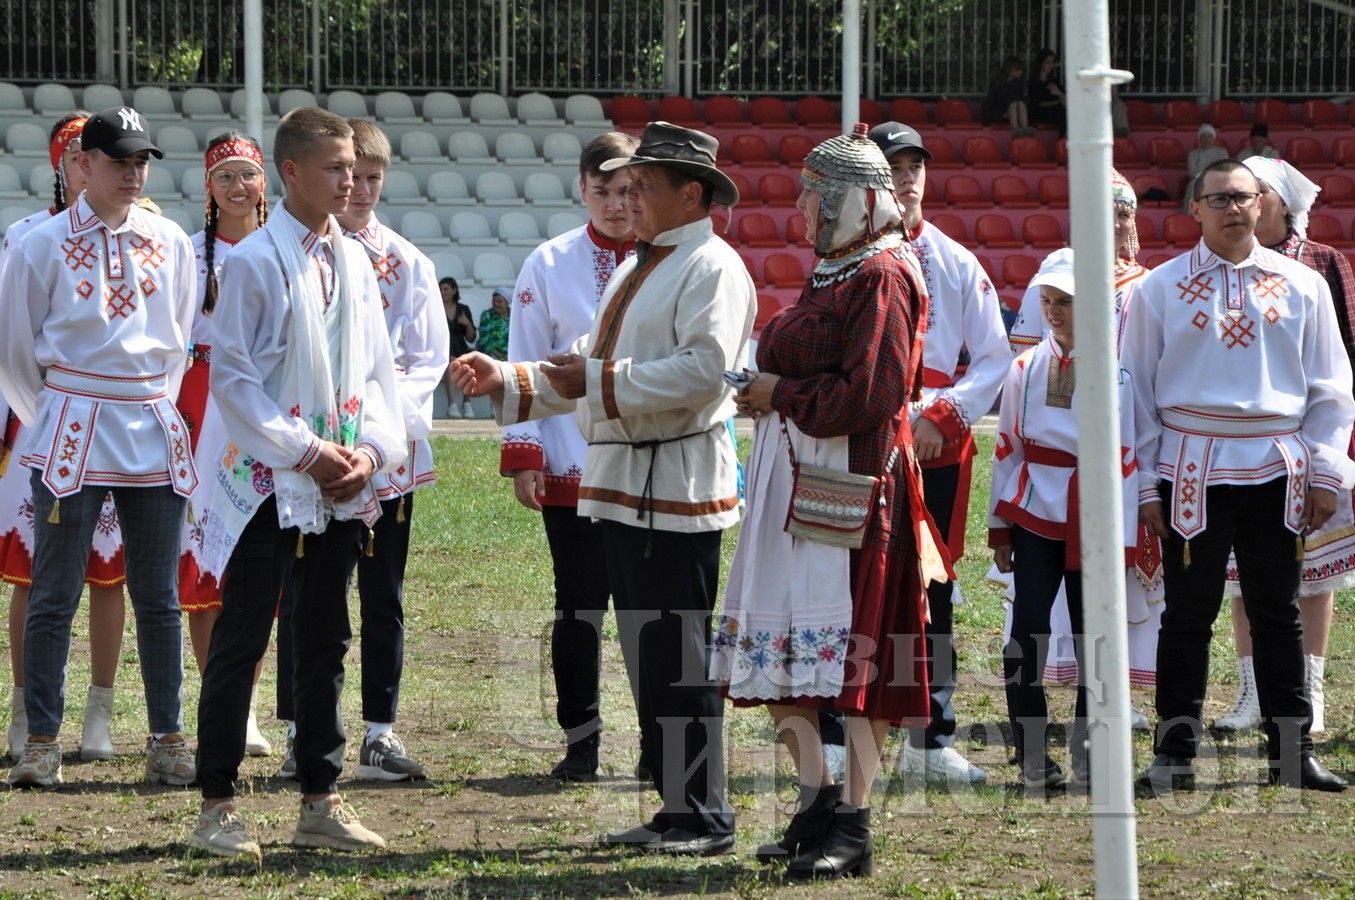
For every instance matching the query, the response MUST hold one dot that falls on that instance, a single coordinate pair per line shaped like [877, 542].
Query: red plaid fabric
[1335, 269]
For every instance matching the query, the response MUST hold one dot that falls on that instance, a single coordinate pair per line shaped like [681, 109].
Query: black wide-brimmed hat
[692, 151]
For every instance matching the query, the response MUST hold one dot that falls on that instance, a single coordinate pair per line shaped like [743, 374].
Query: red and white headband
[233, 151]
[64, 136]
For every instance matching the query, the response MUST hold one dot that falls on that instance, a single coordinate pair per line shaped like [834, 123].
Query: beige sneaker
[332, 823]
[40, 766]
[223, 833]
[170, 762]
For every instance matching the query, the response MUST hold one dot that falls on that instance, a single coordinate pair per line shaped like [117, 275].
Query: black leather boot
[847, 849]
[580, 762]
[807, 827]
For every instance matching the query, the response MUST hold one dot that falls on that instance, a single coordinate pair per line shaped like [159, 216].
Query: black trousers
[1247, 519]
[578, 554]
[1038, 569]
[262, 562]
[664, 585]
[381, 605]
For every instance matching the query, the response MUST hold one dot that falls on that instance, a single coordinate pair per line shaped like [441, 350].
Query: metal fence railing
[1288, 47]
[45, 41]
[588, 45]
[768, 46]
[1157, 41]
[414, 44]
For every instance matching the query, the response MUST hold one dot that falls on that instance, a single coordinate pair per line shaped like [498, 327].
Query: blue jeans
[150, 518]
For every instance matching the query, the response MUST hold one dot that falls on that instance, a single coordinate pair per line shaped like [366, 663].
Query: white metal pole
[871, 49]
[254, 71]
[124, 27]
[316, 79]
[1087, 50]
[672, 26]
[688, 48]
[851, 63]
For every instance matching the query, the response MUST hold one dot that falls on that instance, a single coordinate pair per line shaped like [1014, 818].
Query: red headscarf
[64, 135]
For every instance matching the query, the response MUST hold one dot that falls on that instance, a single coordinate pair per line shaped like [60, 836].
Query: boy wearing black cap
[95, 335]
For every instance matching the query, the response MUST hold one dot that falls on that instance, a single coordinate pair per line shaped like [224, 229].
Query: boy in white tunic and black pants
[1245, 419]
[303, 378]
[99, 301]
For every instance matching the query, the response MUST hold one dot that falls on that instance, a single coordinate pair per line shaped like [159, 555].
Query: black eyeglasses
[1223, 200]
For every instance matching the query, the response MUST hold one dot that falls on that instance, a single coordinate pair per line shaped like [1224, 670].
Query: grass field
[478, 707]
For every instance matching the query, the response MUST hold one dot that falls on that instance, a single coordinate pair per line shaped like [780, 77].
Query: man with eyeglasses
[1244, 420]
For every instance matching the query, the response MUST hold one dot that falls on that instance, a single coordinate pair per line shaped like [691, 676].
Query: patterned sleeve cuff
[1327, 481]
[310, 456]
[378, 459]
[516, 455]
[947, 418]
[1149, 495]
[999, 537]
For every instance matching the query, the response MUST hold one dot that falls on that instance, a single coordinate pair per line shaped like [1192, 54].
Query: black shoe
[1169, 773]
[681, 842]
[636, 836]
[580, 762]
[846, 851]
[1041, 774]
[642, 772]
[1311, 776]
[807, 827]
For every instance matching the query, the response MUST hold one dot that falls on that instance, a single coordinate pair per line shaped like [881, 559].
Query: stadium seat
[516, 148]
[870, 111]
[784, 270]
[795, 230]
[470, 229]
[199, 105]
[1323, 115]
[1011, 192]
[537, 109]
[769, 112]
[983, 153]
[778, 189]
[768, 305]
[1325, 229]
[40, 181]
[1142, 114]
[18, 212]
[1147, 233]
[518, 229]
[488, 108]
[193, 184]
[469, 148]
[400, 187]
[448, 189]
[1337, 190]
[995, 232]
[189, 220]
[442, 108]
[816, 112]
[1180, 230]
[12, 100]
[396, 108]
[102, 96]
[294, 98]
[747, 194]
[1019, 269]
[561, 222]
[758, 230]
[952, 226]
[964, 192]
[793, 148]
[994, 273]
[497, 189]
[1303, 152]
[585, 111]
[1125, 155]
[160, 185]
[954, 114]
[11, 185]
[1041, 230]
[724, 111]
[492, 269]
[447, 264]
[909, 111]
[1343, 151]
[680, 111]
[1145, 183]
[1228, 114]
[27, 140]
[154, 102]
[422, 146]
[752, 151]
[753, 273]
[943, 153]
[1158, 259]
[1061, 152]
[931, 192]
[1182, 115]
[544, 189]
[237, 106]
[1053, 190]
[51, 100]
[1274, 113]
[349, 104]
[177, 141]
[562, 148]
[1166, 153]
[630, 112]
[1029, 153]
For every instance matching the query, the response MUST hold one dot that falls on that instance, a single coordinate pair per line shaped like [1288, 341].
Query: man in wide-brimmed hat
[660, 474]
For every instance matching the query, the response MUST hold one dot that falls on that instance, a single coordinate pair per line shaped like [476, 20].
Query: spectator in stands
[1048, 104]
[461, 326]
[1006, 99]
[494, 325]
[1258, 143]
[1207, 150]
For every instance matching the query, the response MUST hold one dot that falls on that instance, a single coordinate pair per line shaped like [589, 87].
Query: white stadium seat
[420, 146]
[422, 229]
[561, 222]
[447, 265]
[11, 214]
[497, 189]
[544, 189]
[53, 100]
[449, 189]
[585, 111]
[194, 184]
[11, 185]
[539, 110]
[154, 102]
[562, 148]
[442, 108]
[348, 104]
[203, 105]
[396, 108]
[40, 181]
[12, 99]
[493, 269]
[101, 96]
[401, 187]
[294, 98]
[238, 105]
[27, 139]
[518, 229]
[515, 148]
[160, 186]
[182, 217]
[176, 140]
[469, 148]
[471, 229]
[490, 109]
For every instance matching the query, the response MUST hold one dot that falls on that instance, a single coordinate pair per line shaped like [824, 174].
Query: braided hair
[213, 216]
[59, 199]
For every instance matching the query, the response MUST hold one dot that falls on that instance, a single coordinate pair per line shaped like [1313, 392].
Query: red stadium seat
[1337, 190]
[1147, 232]
[630, 112]
[1145, 183]
[768, 305]
[1012, 192]
[816, 112]
[955, 114]
[1303, 152]
[1274, 113]
[951, 226]
[1142, 114]
[983, 153]
[753, 272]
[931, 192]
[964, 192]
[751, 150]
[784, 270]
[1125, 155]
[1029, 153]
[993, 272]
[778, 189]
[746, 192]
[1183, 114]
[1325, 229]
[1041, 230]
[1343, 150]
[1228, 114]
[1166, 153]
[769, 112]
[1158, 259]
[758, 230]
[719, 223]
[908, 110]
[1061, 152]
[1018, 270]
[724, 110]
[943, 153]
[1053, 190]
[1179, 230]
[680, 111]
[1323, 115]
[795, 230]
[793, 148]
[996, 232]
[870, 111]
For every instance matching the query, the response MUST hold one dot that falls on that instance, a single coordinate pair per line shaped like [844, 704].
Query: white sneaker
[943, 765]
[18, 724]
[223, 833]
[1246, 712]
[835, 761]
[96, 738]
[332, 823]
[1314, 669]
[255, 743]
[170, 762]
[288, 767]
[40, 766]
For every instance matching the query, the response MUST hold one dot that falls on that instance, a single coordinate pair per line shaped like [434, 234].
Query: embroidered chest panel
[1233, 306]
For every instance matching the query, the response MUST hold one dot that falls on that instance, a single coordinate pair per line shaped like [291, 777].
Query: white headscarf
[1297, 192]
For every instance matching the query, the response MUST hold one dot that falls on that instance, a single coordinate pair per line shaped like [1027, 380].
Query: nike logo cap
[891, 137]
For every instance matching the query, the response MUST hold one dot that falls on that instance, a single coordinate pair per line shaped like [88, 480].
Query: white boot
[255, 743]
[1246, 712]
[1314, 668]
[18, 724]
[96, 741]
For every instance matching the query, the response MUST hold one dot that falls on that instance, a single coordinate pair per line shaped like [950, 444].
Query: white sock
[376, 729]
